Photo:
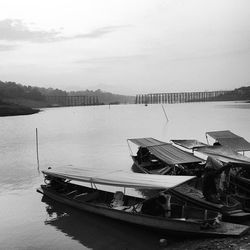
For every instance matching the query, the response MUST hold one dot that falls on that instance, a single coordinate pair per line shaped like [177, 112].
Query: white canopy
[118, 178]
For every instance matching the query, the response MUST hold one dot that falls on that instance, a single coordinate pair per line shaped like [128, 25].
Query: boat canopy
[166, 151]
[146, 142]
[189, 144]
[229, 139]
[224, 154]
[173, 155]
[119, 178]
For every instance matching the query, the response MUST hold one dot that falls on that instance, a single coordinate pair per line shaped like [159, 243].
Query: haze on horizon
[126, 46]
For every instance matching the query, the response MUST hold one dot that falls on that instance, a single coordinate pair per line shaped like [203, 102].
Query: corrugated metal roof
[224, 154]
[231, 140]
[221, 134]
[173, 155]
[237, 144]
[189, 144]
[146, 142]
[118, 178]
[166, 151]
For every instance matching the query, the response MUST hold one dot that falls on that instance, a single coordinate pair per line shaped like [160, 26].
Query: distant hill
[10, 109]
[105, 97]
[35, 97]
[31, 96]
[240, 94]
[14, 90]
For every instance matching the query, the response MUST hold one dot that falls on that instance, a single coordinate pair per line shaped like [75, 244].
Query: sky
[126, 46]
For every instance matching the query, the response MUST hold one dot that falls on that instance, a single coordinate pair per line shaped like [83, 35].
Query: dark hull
[242, 187]
[173, 226]
[233, 213]
[230, 213]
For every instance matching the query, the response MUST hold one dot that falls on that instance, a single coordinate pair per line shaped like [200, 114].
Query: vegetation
[104, 97]
[18, 99]
[15, 97]
[240, 94]
[13, 90]
[10, 109]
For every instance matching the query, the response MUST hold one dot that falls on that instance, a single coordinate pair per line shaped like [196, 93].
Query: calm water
[89, 137]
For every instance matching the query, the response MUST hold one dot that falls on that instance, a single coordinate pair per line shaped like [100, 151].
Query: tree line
[242, 93]
[16, 90]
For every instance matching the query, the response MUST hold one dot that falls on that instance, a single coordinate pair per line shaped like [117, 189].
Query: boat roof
[119, 178]
[229, 139]
[166, 151]
[146, 142]
[224, 154]
[189, 144]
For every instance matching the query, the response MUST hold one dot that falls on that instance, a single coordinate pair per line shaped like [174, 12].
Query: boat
[157, 157]
[227, 147]
[97, 232]
[228, 139]
[65, 185]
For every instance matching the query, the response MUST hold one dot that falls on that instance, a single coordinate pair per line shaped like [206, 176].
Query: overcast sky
[126, 46]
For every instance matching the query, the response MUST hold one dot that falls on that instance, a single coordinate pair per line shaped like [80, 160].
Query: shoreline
[9, 109]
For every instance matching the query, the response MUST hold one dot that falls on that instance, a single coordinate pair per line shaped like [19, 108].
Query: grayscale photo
[125, 125]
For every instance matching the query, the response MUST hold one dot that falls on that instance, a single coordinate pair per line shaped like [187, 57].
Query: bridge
[72, 100]
[179, 97]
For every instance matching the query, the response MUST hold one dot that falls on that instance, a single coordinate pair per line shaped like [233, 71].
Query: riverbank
[10, 109]
[238, 243]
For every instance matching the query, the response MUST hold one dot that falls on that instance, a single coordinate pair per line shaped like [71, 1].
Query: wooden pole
[37, 153]
[164, 112]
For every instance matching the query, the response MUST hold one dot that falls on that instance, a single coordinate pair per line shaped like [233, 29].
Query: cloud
[5, 47]
[100, 32]
[114, 59]
[16, 30]
[229, 53]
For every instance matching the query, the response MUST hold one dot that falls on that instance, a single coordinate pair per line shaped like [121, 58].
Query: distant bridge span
[179, 97]
[72, 100]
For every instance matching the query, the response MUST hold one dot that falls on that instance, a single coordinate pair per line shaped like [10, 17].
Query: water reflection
[97, 232]
[90, 137]
[244, 105]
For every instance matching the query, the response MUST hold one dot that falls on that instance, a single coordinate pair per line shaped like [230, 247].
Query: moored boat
[227, 147]
[64, 186]
[157, 157]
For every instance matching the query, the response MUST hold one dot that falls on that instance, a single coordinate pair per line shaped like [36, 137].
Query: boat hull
[173, 226]
[230, 213]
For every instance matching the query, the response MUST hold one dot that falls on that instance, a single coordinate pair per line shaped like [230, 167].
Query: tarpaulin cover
[189, 144]
[229, 139]
[224, 154]
[146, 142]
[119, 178]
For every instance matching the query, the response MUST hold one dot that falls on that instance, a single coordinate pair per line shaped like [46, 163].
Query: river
[91, 136]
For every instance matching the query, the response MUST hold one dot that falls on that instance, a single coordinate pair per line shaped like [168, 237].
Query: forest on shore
[19, 99]
[12, 90]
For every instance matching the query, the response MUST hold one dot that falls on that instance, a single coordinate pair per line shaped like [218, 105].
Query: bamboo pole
[37, 153]
[164, 112]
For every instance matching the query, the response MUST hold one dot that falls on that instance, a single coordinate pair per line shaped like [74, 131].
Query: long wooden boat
[228, 139]
[166, 159]
[158, 157]
[63, 186]
[227, 147]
